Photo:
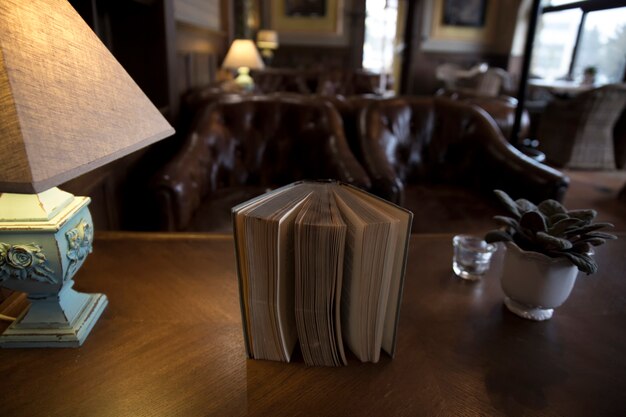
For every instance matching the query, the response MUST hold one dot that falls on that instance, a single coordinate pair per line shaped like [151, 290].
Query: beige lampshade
[267, 39]
[66, 105]
[243, 53]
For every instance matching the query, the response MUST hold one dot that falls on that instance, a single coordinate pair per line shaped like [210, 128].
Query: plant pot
[535, 284]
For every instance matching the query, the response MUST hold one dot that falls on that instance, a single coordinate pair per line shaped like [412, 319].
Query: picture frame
[312, 17]
[465, 13]
[463, 22]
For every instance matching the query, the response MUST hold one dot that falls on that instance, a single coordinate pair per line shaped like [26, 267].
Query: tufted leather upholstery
[240, 147]
[328, 82]
[437, 141]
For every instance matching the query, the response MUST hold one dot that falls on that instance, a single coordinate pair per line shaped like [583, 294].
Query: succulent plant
[551, 229]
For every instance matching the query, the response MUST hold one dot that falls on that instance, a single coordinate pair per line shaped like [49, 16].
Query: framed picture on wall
[471, 13]
[463, 21]
[307, 17]
[310, 8]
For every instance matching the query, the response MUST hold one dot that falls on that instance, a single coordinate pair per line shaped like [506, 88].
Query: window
[548, 3]
[575, 35]
[554, 43]
[603, 45]
[380, 31]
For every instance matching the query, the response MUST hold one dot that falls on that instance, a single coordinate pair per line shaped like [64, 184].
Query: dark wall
[320, 52]
[422, 55]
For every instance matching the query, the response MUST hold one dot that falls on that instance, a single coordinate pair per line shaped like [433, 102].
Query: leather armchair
[239, 148]
[425, 143]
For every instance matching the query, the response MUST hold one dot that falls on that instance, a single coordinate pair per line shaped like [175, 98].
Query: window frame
[586, 7]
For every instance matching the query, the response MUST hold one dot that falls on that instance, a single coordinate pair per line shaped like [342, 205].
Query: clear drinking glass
[471, 256]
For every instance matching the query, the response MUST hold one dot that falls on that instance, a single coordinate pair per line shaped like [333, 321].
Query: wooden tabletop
[170, 344]
[561, 86]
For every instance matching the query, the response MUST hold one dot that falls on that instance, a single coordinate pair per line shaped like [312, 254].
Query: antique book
[320, 264]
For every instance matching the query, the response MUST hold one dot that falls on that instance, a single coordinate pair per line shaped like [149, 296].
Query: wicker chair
[578, 132]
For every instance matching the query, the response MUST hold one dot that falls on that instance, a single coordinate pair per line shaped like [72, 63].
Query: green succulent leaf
[508, 203]
[587, 228]
[551, 207]
[551, 229]
[584, 263]
[581, 247]
[584, 215]
[595, 241]
[560, 227]
[498, 236]
[601, 235]
[524, 205]
[555, 218]
[553, 241]
[533, 221]
[506, 221]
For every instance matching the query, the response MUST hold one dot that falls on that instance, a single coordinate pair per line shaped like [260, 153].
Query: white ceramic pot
[535, 284]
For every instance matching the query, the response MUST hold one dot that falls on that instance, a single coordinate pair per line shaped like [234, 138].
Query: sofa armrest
[385, 181]
[506, 168]
[182, 184]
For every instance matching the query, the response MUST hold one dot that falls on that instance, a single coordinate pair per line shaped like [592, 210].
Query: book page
[239, 212]
[378, 248]
[285, 281]
[405, 218]
[260, 238]
[353, 311]
[320, 236]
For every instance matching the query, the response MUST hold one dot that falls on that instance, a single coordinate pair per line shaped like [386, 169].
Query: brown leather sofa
[327, 82]
[239, 147]
[442, 158]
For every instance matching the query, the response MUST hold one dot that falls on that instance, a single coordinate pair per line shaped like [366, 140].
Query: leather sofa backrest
[270, 142]
[438, 140]
[256, 141]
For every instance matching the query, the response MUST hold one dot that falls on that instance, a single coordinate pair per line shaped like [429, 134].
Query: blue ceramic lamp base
[44, 240]
[71, 333]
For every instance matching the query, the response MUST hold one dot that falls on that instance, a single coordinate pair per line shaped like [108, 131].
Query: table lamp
[267, 41]
[66, 107]
[243, 56]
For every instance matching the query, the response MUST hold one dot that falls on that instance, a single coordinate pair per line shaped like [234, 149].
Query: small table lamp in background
[267, 41]
[66, 107]
[243, 56]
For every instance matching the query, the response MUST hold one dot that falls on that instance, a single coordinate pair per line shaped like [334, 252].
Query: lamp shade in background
[66, 105]
[243, 53]
[243, 56]
[267, 39]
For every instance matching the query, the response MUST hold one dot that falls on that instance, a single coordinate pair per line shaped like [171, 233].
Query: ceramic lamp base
[528, 312]
[44, 240]
[72, 333]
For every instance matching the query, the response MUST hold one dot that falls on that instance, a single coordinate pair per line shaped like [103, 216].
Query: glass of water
[471, 256]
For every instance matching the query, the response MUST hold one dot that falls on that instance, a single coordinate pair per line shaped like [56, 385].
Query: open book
[321, 263]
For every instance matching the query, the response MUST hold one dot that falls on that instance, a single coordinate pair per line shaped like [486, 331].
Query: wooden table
[170, 344]
[560, 87]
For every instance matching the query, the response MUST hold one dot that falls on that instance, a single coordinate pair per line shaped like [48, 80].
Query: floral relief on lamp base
[40, 256]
